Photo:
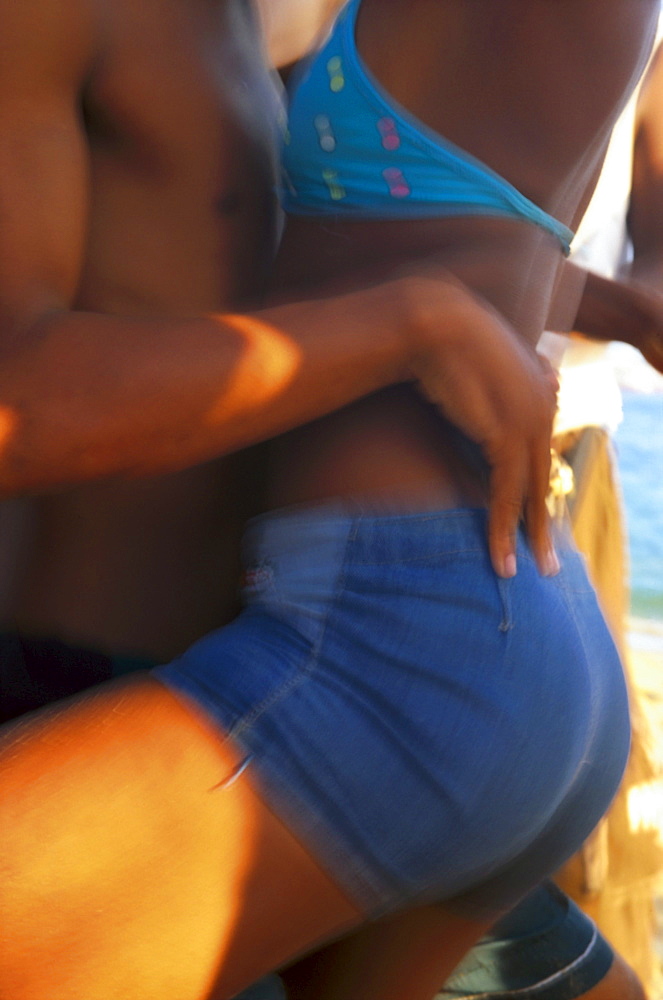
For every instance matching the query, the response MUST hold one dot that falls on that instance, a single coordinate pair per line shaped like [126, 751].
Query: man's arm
[84, 395]
[629, 311]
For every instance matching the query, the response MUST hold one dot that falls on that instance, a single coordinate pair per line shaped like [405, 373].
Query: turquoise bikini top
[350, 150]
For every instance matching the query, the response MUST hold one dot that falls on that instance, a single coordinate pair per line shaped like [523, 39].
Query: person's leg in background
[545, 949]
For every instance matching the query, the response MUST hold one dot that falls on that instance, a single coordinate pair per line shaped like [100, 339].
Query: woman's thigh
[139, 861]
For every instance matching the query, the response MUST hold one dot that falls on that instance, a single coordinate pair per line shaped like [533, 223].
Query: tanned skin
[128, 169]
[137, 861]
[137, 179]
[630, 307]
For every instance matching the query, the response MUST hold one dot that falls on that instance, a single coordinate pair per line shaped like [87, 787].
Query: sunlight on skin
[269, 363]
[145, 859]
[8, 422]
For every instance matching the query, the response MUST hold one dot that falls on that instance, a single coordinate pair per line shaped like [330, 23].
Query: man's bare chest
[181, 119]
[178, 82]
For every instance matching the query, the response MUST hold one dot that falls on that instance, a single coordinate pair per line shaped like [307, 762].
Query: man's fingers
[537, 519]
[507, 497]
[519, 483]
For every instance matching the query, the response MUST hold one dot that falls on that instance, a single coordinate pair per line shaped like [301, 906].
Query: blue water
[639, 442]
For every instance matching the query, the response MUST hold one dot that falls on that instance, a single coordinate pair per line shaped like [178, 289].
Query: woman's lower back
[394, 446]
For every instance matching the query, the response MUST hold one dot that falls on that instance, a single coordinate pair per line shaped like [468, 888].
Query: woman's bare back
[529, 89]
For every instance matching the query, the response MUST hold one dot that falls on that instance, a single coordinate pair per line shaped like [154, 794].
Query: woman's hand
[495, 388]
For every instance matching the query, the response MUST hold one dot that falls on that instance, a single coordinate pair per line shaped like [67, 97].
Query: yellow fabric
[613, 877]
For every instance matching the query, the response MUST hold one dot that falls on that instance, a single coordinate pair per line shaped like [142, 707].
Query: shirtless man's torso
[161, 165]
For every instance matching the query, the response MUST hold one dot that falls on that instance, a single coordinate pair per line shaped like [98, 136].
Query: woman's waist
[390, 449]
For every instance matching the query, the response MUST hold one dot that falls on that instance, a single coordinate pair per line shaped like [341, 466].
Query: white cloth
[589, 394]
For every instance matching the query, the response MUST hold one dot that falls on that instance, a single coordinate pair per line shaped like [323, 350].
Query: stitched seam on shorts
[591, 729]
[504, 589]
[305, 671]
[563, 584]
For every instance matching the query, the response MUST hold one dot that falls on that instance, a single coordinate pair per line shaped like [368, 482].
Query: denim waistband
[376, 533]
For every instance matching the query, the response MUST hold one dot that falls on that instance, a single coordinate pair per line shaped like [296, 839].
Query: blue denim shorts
[428, 730]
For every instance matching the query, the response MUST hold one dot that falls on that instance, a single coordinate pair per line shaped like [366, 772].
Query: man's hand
[496, 390]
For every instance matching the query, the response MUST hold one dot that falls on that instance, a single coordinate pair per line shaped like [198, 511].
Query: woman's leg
[404, 957]
[138, 860]
[409, 956]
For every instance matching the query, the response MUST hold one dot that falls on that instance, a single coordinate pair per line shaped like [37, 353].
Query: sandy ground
[647, 662]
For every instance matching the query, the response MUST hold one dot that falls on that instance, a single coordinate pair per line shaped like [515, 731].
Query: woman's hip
[417, 720]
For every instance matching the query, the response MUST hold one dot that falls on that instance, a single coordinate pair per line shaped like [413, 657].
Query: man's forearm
[87, 395]
[631, 312]
[617, 310]
[606, 310]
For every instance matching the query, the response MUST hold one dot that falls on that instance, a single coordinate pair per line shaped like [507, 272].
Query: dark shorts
[545, 949]
[36, 672]
[269, 988]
